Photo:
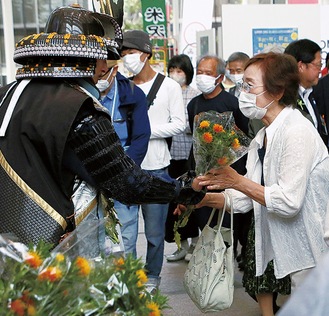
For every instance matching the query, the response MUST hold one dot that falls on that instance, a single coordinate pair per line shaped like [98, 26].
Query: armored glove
[187, 195]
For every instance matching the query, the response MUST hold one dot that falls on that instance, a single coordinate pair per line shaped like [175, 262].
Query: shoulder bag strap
[154, 89]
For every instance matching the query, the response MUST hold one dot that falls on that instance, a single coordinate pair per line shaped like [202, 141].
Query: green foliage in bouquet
[217, 142]
[35, 281]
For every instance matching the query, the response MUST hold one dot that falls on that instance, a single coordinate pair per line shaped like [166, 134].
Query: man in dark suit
[321, 95]
[308, 56]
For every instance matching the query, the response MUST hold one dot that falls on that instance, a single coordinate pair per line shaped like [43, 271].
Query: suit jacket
[322, 129]
[321, 95]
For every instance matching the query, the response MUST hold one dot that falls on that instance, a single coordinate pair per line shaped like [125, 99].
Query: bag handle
[221, 213]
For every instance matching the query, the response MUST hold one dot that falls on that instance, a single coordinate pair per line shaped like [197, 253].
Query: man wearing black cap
[53, 131]
[167, 118]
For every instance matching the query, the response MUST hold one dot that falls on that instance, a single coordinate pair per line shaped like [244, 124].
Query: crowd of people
[72, 122]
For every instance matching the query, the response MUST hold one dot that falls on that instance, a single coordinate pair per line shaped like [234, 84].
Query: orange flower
[120, 261]
[204, 124]
[154, 309]
[142, 278]
[51, 274]
[217, 128]
[83, 266]
[29, 304]
[26, 298]
[18, 307]
[235, 143]
[22, 305]
[31, 310]
[222, 161]
[207, 137]
[60, 257]
[33, 260]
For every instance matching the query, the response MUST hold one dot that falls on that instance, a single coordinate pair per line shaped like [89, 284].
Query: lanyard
[115, 96]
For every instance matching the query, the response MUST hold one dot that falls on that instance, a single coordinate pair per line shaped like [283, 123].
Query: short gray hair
[220, 69]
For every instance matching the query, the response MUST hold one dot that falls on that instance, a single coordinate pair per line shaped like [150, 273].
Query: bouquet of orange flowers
[37, 281]
[217, 142]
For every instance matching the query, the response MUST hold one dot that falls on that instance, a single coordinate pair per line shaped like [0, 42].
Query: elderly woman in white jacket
[289, 189]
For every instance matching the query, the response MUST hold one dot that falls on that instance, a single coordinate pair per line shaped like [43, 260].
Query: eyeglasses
[317, 65]
[242, 85]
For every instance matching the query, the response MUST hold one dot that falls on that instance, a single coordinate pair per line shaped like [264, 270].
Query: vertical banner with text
[155, 24]
[154, 17]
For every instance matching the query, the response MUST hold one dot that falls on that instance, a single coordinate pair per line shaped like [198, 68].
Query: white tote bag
[209, 278]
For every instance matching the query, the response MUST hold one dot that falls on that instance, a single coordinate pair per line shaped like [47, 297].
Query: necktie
[311, 106]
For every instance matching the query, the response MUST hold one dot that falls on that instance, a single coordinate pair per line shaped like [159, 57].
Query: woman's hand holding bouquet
[217, 143]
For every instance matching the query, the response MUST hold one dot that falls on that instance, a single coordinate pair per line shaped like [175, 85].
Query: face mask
[236, 78]
[103, 84]
[248, 107]
[180, 78]
[133, 63]
[227, 74]
[206, 84]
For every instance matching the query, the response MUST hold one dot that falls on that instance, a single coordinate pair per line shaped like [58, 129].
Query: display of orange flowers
[65, 283]
[217, 141]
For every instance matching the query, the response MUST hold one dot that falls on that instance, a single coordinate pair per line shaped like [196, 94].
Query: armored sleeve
[96, 144]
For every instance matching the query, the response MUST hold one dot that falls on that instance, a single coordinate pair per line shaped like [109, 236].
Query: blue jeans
[155, 216]
[128, 217]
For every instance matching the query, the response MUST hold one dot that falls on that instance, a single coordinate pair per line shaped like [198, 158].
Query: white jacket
[290, 229]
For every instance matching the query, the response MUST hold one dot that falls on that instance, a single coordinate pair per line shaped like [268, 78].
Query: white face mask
[248, 107]
[103, 84]
[227, 74]
[180, 78]
[206, 84]
[133, 63]
[236, 78]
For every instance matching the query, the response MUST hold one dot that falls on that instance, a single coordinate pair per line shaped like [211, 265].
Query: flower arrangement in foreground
[217, 142]
[35, 281]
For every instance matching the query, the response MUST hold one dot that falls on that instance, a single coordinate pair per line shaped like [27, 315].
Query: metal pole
[9, 39]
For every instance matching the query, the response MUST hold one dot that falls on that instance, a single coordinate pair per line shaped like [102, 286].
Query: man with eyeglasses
[308, 56]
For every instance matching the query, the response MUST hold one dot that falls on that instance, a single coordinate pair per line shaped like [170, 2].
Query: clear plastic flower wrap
[38, 281]
[217, 141]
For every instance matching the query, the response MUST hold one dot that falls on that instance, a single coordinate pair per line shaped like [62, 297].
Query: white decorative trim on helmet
[58, 72]
[62, 45]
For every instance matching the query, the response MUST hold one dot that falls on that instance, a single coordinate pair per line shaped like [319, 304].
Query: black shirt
[223, 102]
